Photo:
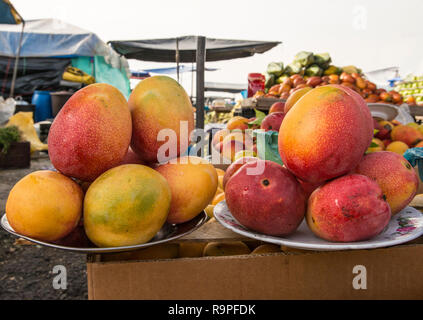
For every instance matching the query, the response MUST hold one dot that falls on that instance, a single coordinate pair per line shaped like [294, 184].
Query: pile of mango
[234, 141]
[314, 70]
[219, 195]
[237, 139]
[201, 249]
[367, 90]
[305, 64]
[343, 194]
[395, 137]
[112, 185]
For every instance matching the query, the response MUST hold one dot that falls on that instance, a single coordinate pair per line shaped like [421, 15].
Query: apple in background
[219, 136]
[376, 124]
[277, 107]
[273, 121]
[230, 148]
[387, 142]
[385, 128]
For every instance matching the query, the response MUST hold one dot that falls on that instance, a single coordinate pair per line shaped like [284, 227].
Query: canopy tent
[224, 87]
[164, 50]
[51, 38]
[383, 77]
[191, 49]
[8, 14]
[173, 70]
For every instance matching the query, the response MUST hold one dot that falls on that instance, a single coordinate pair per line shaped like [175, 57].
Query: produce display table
[416, 111]
[388, 273]
[262, 104]
[222, 110]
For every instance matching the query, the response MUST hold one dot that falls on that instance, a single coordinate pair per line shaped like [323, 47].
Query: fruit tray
[405, 226]
[259, 103]
[383, 111]
[167, 233]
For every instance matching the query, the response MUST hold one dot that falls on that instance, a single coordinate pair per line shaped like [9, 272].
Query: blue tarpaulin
[51, 38]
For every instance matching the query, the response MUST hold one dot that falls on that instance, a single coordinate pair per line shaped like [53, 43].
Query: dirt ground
[26, 270]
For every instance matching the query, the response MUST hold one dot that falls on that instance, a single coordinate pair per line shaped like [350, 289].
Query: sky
[370, 34]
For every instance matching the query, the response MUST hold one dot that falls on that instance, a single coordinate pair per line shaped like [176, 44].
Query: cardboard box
[391, 273]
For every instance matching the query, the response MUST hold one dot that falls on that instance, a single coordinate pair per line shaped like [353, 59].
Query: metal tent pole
[200, 65]
[177, 58]
[15, 69]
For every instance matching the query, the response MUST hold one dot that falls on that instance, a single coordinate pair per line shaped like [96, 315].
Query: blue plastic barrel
[42, 102]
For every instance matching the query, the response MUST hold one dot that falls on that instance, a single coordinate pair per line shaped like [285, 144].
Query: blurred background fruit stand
[198, 49]
[69, 58]
[42, 63]
[55, 55]
[311, 70]
[190, 49]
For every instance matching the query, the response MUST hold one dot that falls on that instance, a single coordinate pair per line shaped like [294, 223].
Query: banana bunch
[217, 117]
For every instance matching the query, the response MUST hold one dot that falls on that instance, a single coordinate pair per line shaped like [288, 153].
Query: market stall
[311, 186]
[48, 47]
[277, 219]
[191, 49]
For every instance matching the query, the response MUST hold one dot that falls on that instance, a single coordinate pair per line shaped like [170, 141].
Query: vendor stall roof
[224, 87]
[51, 38]
[164, 50]
[173, 70]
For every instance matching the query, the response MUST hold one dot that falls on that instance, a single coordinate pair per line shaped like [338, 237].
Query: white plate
[405, 226]
[383, 111]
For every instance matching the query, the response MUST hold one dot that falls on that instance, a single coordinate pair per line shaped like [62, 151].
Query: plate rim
[201, 217]
[390, 110]
[336, 246]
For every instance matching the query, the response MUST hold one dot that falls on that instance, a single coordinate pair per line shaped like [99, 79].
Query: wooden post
[200, 64]
[177, 58]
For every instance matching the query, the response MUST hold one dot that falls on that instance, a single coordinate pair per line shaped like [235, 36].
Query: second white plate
[405, 226]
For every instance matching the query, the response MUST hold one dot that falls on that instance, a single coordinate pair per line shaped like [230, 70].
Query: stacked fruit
[358, 83]
[305, 64]
[237, 139]
[310, 70]
[219, 195]
[217, 117]
[344, 194]
[111, 148]
[198, 249]
[411, 90]
[395, 137]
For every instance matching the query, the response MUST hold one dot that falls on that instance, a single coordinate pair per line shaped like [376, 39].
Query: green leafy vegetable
[259, 118]
[7, 136]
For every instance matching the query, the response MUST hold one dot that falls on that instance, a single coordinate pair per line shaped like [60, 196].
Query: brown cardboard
[392, 273]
